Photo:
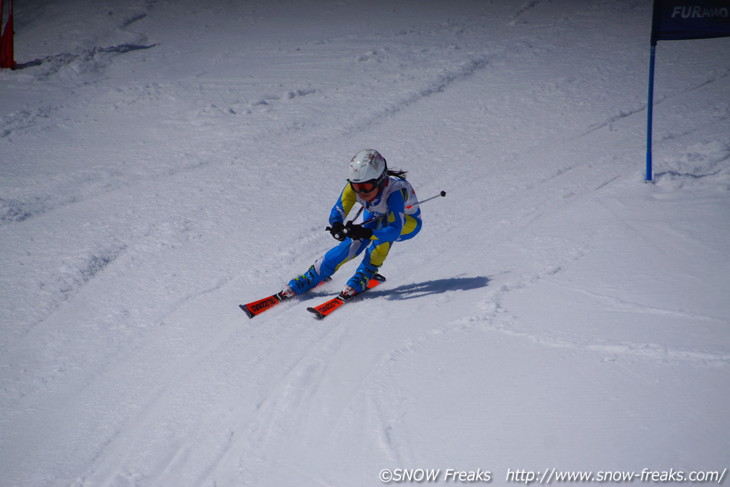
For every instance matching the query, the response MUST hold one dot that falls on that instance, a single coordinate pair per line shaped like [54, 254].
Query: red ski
[255, 308]
[324, 309]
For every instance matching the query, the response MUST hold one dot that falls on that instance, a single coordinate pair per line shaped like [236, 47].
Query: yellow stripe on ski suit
[410, 220]
[394, 217]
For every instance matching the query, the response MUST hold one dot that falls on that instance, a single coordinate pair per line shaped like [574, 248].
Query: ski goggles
[364, 188]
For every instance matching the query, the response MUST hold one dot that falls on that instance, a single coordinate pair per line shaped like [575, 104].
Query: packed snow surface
[163, 161]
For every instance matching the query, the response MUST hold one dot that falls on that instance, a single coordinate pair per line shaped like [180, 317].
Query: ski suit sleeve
[343, 205]
[390, 229]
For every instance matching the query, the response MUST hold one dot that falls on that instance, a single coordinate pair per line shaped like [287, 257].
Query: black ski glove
[358, 232]
[338, 231]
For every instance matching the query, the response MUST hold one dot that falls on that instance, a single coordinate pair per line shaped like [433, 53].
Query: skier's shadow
[438, 286]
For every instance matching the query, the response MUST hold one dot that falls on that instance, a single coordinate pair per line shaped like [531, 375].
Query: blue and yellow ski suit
[395, 217]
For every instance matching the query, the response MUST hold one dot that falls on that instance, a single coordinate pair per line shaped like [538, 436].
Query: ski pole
[441, 194]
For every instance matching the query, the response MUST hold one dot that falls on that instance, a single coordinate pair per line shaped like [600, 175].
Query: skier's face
[367, 191]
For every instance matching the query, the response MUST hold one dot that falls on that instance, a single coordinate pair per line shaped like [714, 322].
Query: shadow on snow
[438, 286]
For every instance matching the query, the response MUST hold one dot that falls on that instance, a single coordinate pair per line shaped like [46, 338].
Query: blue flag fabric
[690, 19]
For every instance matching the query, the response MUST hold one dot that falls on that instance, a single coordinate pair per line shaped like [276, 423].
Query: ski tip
[246, 310]
[316, 313]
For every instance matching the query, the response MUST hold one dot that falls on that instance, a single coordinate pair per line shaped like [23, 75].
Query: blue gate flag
[677, 20]
[690, 19]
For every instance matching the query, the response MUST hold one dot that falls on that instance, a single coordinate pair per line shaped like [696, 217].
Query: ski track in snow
[439, 85]
[712, 77]
[91, 184]
[498, 319]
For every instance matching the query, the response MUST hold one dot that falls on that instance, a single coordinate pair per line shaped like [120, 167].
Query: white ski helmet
[368, 165]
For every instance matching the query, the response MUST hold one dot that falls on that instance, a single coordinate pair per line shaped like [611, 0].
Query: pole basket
[7, 56]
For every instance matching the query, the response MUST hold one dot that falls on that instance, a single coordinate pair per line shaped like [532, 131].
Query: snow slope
[162, 162]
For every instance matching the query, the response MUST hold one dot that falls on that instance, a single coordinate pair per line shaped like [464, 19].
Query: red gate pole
[7, 56]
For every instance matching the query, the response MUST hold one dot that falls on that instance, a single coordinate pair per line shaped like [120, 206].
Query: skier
[391, 215]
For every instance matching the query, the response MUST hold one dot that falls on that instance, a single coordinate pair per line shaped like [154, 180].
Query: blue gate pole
[650, 113]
